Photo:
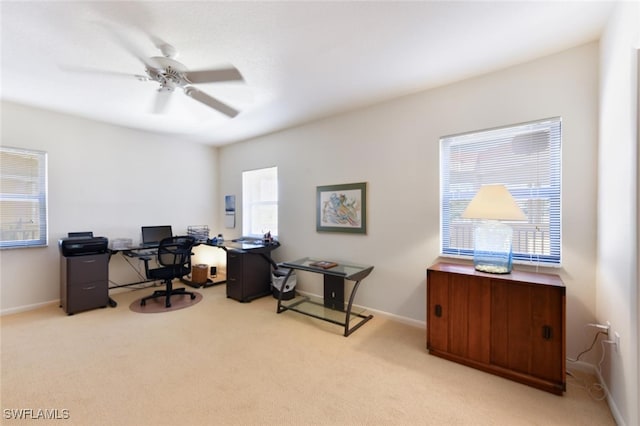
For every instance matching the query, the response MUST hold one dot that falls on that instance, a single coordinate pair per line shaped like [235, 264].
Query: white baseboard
[404, 320]
[617, 416]
[585, 367]
[28, 307]
[398, 318]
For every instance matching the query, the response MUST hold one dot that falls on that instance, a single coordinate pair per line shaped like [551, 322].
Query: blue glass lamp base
[493, 263]
[492, 248]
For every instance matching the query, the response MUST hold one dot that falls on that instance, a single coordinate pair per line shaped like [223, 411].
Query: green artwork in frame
[342, 208]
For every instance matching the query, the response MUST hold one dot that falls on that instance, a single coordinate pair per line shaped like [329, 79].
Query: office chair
[174, 257]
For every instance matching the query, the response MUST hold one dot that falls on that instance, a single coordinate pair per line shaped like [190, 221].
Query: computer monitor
[152, 235]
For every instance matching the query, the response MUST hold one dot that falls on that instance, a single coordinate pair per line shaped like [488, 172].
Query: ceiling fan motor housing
[169, 73]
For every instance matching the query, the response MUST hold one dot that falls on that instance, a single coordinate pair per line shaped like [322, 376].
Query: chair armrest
[146, 260]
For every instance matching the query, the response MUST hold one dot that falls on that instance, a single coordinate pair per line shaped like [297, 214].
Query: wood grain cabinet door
[437, 311]
[458, 317]
[548, 353]
[478, 318]
[511, 329]
[527, 329]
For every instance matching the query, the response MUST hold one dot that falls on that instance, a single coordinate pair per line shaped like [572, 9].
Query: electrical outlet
[617, 340]
[603, 328]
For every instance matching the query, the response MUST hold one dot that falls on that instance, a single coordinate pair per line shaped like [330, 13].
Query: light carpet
[222, 362]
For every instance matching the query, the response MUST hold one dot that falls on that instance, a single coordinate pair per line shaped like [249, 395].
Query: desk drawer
[83, 269]
[86, 296]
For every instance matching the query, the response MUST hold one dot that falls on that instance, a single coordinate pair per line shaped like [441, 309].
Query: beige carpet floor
[221, 362]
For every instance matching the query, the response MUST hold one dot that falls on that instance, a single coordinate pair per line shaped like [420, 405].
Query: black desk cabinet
[84, 282]
[248, 275]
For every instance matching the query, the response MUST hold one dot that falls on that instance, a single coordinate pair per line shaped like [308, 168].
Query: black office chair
[174, 256]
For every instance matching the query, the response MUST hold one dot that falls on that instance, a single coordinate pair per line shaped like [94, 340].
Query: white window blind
[526, 158]
[23, 198]
[260, 202]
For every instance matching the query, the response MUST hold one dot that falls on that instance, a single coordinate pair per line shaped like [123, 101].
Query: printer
[83, 246]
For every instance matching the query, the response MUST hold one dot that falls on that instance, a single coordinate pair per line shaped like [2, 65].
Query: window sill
[528, 264]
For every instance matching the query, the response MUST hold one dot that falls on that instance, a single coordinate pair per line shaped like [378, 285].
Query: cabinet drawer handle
[89, 261]
[546, 332]
[438, 311]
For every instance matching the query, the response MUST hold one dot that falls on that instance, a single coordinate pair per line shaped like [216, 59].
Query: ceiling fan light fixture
[169, 74]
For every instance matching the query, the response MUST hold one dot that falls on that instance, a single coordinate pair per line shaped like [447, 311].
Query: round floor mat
[178, 301]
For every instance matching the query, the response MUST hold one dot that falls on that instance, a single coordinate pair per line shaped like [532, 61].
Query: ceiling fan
[171, 74]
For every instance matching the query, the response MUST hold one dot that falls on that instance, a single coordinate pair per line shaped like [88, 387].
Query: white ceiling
[300, 60]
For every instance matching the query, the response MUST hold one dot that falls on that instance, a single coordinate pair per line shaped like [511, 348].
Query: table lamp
[492, 251]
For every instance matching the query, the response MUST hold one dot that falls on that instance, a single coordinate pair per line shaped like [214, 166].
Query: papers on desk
[121, 243]
[324, 264]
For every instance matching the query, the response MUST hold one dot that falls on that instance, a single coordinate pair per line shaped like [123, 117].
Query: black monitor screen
[155, 234]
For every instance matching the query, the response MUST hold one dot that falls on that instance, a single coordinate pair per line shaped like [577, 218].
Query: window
[23, 198]
[526, 159]
[260, 202]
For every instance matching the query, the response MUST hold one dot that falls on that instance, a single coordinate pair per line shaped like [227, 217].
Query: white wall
[104, 179]
[394, 148]
[617, 274]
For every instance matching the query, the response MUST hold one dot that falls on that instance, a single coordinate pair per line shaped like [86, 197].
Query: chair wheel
[193, 296]
[143, 302]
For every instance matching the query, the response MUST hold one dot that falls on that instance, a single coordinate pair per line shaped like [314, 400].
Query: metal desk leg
[347, 330]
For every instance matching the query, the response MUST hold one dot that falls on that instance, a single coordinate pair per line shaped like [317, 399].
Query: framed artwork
[230, 211]
[230, 203]
[342, 208]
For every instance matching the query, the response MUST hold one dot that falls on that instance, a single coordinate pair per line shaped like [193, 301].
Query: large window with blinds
[260, 202]
[23, 198]
[526, 158]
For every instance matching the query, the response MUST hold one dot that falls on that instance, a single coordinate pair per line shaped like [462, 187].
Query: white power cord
[595, 388]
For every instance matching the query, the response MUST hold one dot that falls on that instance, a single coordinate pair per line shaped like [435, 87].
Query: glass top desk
[332, 308]
[243, 245]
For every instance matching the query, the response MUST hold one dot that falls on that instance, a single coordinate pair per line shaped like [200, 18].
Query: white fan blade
[162, 101]
[209, 101]
[167, 50]
[127, 44]
[96, 71]
[211, 76]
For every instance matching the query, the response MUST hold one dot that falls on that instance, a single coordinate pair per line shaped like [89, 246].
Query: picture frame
[230, 211]
[342, 208]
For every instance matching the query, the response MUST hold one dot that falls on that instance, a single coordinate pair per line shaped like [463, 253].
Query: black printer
[83, 245]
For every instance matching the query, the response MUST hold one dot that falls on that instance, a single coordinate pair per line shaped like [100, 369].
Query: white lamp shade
[493, 202]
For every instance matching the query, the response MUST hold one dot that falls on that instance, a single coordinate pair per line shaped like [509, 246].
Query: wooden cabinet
[512, 325]
[248, 275]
